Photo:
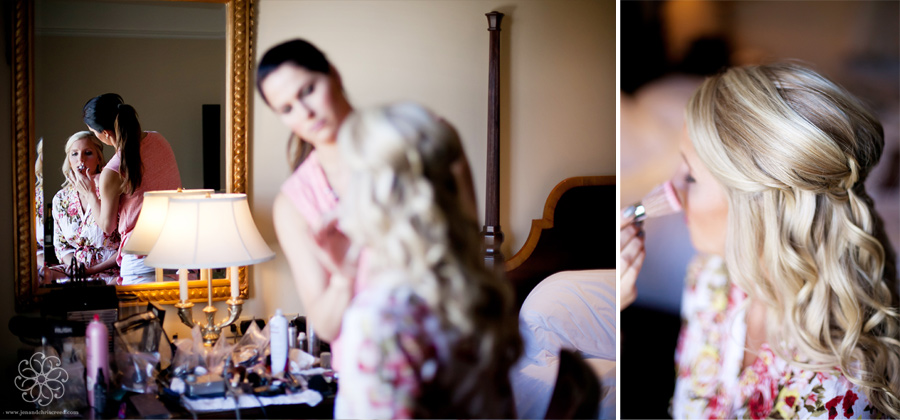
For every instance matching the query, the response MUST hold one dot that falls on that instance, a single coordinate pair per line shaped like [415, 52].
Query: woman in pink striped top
[144, 161]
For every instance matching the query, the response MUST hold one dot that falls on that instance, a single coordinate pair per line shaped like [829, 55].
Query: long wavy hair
[404, 204]
[793, 150]
[98, 149]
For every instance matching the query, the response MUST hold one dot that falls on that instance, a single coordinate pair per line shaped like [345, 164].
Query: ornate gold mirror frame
[239, 42]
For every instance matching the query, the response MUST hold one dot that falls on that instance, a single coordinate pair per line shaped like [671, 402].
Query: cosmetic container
[278, 342]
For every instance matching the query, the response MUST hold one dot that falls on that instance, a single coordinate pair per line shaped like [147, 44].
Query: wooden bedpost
[493, 236]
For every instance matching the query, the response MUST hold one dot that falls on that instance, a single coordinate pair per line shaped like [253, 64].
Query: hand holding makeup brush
[662, 200]
[631, 254]
[84, 181]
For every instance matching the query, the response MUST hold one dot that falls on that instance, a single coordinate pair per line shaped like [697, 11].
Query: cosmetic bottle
[292, 337]
[97, 355]
[278, 342]
[98, 393]
[302, 343]
[313, 340]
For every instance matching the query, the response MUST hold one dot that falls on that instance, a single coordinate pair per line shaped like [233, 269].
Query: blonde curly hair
[793, 150]
[403, 202]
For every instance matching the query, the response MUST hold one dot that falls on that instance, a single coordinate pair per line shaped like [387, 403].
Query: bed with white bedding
[565, 284]
[574, 310]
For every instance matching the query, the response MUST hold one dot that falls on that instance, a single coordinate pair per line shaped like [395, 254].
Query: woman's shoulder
[708, 291]
[308, 171]
[390, 300]
[63, 196]
[155, 141]
[308, 190]
[395, 309]
[153, 135]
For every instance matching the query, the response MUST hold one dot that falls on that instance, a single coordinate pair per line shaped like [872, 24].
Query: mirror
[56, 69]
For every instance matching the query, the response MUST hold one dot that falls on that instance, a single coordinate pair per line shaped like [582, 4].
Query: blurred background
[667, 47]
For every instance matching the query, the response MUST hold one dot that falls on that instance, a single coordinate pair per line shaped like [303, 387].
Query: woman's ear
[106, 136]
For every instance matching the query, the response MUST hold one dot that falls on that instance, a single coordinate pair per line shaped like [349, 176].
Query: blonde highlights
[403, 201]
[39, 164]
[793, 150]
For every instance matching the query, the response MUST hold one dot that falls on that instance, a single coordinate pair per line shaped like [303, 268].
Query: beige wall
[558, 95]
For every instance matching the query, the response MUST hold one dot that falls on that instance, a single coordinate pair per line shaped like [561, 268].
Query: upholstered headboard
[576, 232]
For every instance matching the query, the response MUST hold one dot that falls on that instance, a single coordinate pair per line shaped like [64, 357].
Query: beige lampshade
[208, 232]
[150, 220]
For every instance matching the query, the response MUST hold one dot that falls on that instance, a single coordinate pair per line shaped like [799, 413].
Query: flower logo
[41, 379]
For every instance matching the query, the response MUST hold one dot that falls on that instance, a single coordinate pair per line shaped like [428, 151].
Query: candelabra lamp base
[212, 330]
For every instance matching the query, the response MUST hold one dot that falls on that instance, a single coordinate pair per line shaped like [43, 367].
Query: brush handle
[636, 210]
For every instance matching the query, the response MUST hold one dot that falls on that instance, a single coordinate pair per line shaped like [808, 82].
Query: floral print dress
[76, 231]
[710, 382]
[39, 217]
[394, 344]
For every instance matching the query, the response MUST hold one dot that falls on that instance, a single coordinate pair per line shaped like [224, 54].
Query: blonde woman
[434, 334]
[76, 234]
[39, 206]
[793, 313]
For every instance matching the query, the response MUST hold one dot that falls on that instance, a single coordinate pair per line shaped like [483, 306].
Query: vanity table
[54, 328]
[323, 410]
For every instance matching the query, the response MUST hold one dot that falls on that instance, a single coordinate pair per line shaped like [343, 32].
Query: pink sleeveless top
[160, 173]
[308, 189]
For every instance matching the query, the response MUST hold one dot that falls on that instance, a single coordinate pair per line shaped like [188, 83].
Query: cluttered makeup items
[129, 367]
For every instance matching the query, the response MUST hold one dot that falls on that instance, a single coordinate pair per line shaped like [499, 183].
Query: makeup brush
[660, 201]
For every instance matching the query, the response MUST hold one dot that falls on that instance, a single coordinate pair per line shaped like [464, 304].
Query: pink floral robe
[76, 231]
[710, 382]
[394, 344]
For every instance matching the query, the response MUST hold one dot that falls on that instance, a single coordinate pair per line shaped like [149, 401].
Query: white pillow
[571, 309]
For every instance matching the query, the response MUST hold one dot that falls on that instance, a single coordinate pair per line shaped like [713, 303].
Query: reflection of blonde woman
[434, 335]
[795, 314]
[76, 234]
[39, 205]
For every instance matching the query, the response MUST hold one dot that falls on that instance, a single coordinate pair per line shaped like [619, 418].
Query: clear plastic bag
[252, 348]
[188, 354]
[142, 350]
[75, 397]
[216, 355]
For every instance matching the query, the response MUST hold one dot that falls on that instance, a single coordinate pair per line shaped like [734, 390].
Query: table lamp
[150, 221]
[210, 231]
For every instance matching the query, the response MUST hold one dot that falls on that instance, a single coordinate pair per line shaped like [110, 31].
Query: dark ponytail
[302, 54]
[109, 112]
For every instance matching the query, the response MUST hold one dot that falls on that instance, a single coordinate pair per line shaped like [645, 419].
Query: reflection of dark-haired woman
[144, 161]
